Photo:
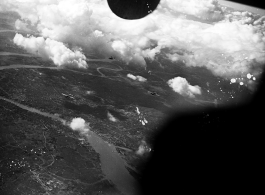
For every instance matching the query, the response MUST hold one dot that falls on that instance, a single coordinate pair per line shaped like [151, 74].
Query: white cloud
[204, 9]
[141, 79]
[90, 92]
[181, 86]
[131, 76]
[111, 117]
[50, 49]
[98, 33]
[20, 25]
[80, 125]
[231, 46]
[136, 78]
[143, 148]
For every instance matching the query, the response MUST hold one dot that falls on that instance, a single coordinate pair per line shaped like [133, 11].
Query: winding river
[112, 165]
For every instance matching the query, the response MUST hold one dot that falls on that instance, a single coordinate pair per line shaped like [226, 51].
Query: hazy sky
[242, 7]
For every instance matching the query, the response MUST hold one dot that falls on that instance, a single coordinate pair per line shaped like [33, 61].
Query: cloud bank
[181, 86]
[50, 49]
[194, 32]
[136, 78]
[204, 9]
[80, 125]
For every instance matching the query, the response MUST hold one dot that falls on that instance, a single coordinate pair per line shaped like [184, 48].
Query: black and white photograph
[131, 97]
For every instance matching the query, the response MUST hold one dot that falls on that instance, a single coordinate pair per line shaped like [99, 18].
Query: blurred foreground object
[132, 9]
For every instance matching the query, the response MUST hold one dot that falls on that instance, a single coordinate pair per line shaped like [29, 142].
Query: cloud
[143, 148]
[80, 125]
[181, 86]
[195, 32]
[20, 25]
[90, 92]
[131, 76]
[111, 117]
[136, 78]
[50, 49]
[204, 9]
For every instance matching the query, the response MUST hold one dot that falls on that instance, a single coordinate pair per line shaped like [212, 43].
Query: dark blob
[132, 9]
[210, 151]
[153, 93]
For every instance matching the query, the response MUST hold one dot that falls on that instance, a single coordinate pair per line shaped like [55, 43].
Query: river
[15, 54]
[112, 165]
[15, 66]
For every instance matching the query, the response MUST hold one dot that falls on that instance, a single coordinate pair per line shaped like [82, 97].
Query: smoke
[181, 86]
[195, 32]
[136, 78]
[80, 125]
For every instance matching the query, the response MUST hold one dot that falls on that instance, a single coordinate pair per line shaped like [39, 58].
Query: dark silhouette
[209, 152]
[132, 9]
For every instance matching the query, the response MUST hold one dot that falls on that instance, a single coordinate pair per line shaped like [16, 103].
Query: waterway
[112, 165]
[14, 54]
[16, 66]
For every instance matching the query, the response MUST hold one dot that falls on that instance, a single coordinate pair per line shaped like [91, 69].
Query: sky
[243, 7]
[230, 44]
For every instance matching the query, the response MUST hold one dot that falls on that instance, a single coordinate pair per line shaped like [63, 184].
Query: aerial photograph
[86, 87]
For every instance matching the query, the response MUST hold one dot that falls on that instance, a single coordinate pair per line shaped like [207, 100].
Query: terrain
[40, 154]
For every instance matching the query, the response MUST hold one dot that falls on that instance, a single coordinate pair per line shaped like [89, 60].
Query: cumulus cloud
[50, 49]
[111, 117]
[195, 32]
[136, 78]
[181, 86]
[80, 125]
